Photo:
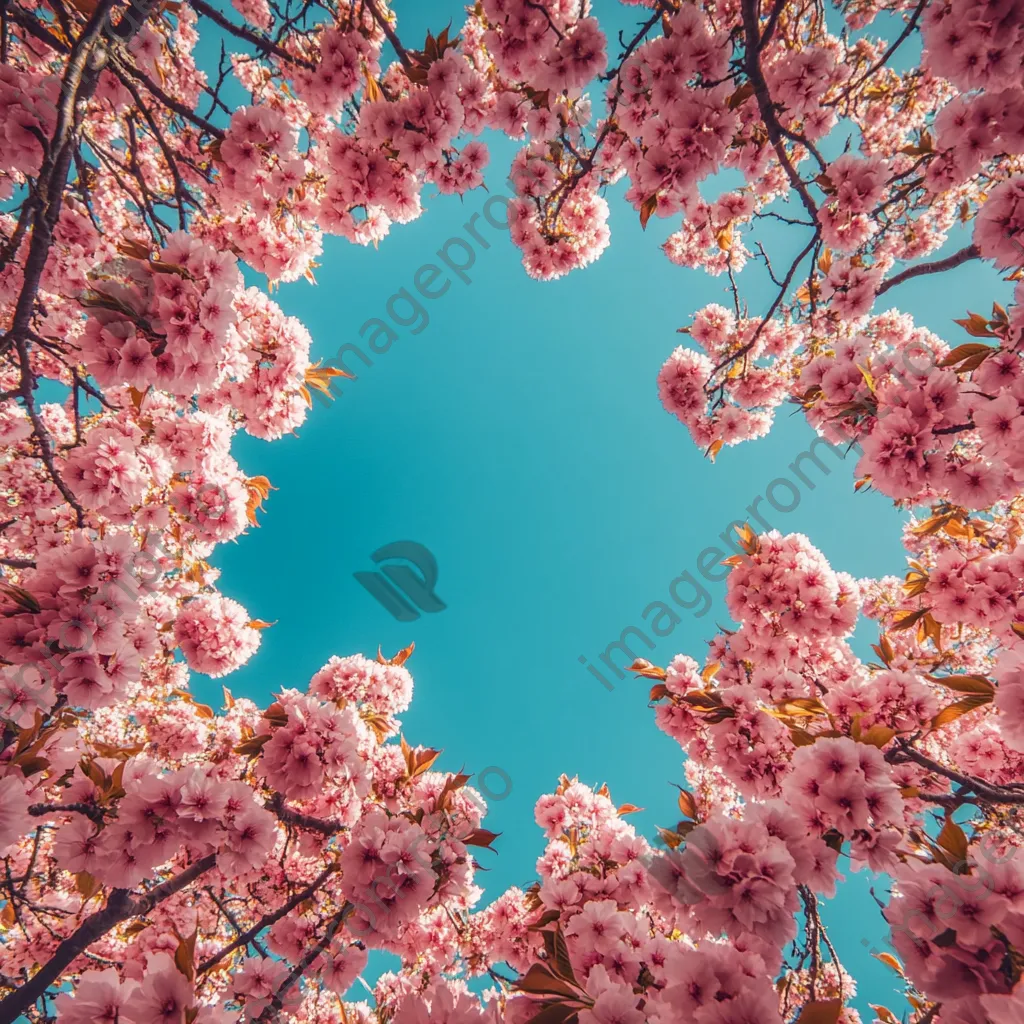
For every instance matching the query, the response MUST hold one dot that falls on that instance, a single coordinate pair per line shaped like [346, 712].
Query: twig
[251, 37]
[169, 101]
[254, 942]
[884, 59]
[268, 919]
[274, 1007]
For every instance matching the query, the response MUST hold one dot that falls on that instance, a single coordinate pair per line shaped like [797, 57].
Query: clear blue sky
[519, 436]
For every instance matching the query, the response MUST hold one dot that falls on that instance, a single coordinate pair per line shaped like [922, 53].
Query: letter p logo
[398, 588]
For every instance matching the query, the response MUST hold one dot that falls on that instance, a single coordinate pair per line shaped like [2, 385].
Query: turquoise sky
[519, 437]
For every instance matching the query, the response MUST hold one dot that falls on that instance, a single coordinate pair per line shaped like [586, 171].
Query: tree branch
[274, 1007]
[241, 32]
[985, 791]
[169, 101]
[85, 63]
[268, 919]
[969, 252]
[91, 811]
[120, 907]
[388, 31]
[767, 108]
[293, 817]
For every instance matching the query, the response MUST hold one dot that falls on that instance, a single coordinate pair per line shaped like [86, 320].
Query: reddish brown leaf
[481, 837]
[890, 961]
[965, 684]
[961, 707]
[801, 737]
[876, 736]
[710, 670]
[953, 840]
[555, 1013]
[548, 917]
[253, 746]
[644, 668]
[184, 956]
[669, 838]
[977, 327]
[906, 619]
[647, 209]
[821, 1012]
[540, 981]
[743, 93]
[687, 804]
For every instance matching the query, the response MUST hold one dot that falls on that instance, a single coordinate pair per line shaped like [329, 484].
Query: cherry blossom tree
[167, 861]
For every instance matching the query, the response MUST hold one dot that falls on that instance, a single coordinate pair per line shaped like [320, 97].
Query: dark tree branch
[120, 908]
[91, 811]
[766, 106]
[241, 32]
[41, 433]
[385, 26]
[964, 255]
[226, 911]
[268, 919]
[292, 817]
[87, 59]
[169, 101]
[986, 792]
[884, 59]
[274, 1007]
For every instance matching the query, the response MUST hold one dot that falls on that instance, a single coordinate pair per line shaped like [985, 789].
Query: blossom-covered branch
[167, 860]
